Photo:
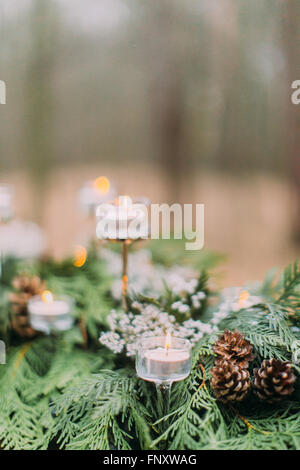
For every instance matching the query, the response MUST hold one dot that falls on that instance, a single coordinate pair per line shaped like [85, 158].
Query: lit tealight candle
[47, 313]
[163, 360]
[93, 193]
[122, 220]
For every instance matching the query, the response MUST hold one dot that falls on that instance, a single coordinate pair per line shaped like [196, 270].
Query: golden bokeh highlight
[243, 297]
[80, 256]
[102, 184]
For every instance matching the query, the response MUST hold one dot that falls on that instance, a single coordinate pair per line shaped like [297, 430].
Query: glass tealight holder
[162, 365]
[51, 316]
[157, 364]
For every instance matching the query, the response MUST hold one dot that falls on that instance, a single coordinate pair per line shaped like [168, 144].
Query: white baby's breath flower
[195, 301]
[145, 278]
[176, 305]
[113, 341]
[111, 319]
[183, 308]
[201, 295]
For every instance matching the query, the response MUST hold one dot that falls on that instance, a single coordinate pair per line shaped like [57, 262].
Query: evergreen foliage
[68, 391]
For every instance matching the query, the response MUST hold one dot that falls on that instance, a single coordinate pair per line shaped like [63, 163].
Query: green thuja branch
[36, 374]
[103, 412]
[54, 393]
[21, 424]
[290, 295]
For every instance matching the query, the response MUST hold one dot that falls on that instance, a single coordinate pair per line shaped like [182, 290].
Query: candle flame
[101, 185]
[243, 297]
[168, 341]
[47, 297]
[80, 256]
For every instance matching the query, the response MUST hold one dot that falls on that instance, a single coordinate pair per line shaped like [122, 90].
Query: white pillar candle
[47, 313]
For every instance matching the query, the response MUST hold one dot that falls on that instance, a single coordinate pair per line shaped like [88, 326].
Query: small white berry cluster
[127, 328]
[150, 320]
[180, 280]
[182, 307]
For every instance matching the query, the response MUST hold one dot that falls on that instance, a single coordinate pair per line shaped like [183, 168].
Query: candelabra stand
[126, 243]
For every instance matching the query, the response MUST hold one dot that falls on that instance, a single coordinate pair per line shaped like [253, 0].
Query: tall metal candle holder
[125, 244]
[114, 225]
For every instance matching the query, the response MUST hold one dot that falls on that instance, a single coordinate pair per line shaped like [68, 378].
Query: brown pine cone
[233, 347]
[229, 381]
[274, 380]
[25, 288]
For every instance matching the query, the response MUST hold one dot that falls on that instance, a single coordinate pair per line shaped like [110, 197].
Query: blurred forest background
[179, 100]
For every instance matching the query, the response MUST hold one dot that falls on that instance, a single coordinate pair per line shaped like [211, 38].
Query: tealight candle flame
[168, 341]
[47, 297]
[243, 297]
[102, 184]
[80, 256]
